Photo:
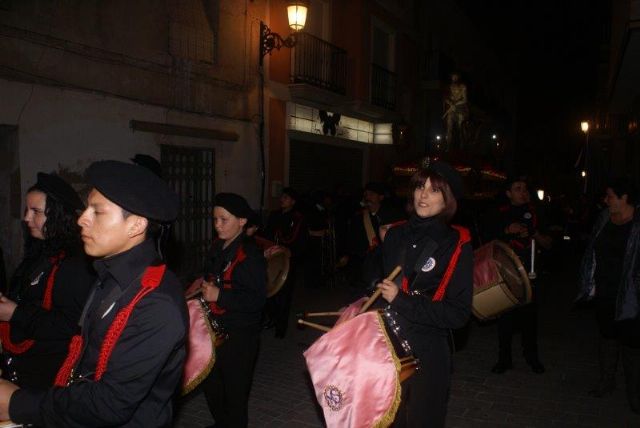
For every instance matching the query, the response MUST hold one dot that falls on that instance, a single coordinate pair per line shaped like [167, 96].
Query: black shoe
[536, 366]
[501, 367]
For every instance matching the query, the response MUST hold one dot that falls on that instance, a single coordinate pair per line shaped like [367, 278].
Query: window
[190, 172]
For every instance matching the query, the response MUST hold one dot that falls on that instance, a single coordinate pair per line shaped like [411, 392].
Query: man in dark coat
[123, 370]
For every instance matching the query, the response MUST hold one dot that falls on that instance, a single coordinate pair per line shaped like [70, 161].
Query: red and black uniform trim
[464, 237]
[47, 304]
[226, 278]
[150, 281]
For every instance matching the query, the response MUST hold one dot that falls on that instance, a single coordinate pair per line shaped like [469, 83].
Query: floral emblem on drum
[334, 397]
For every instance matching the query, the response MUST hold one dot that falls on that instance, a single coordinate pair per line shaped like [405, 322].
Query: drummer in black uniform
[124, 368]
[516, 223]
[434, 293]
[39, 313]
[235, 286]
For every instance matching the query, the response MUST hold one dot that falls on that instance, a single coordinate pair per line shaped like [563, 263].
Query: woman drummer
[435, 293]
[235, 288]
[40, 312]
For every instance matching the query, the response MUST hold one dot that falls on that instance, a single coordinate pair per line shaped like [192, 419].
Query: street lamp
[269, 40]
[584, 126]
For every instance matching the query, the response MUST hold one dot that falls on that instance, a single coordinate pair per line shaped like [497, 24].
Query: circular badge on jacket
[428, 265]
[527, 215]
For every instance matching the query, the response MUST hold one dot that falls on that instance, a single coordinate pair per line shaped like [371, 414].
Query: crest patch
[428, 265]
[333, 397]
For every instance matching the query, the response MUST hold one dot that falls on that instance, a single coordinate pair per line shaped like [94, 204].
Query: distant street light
[584, 125]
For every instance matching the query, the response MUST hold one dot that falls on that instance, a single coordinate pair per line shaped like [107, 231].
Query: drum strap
[150, 281]
[368, 229]
[47, 304]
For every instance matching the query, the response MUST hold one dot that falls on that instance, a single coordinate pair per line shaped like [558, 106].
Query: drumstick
[322, 314]
[375, 295]
[314, 325]
[193, 294]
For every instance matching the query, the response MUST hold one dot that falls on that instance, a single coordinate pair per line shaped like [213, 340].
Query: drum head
[277, 268]
[512, 272]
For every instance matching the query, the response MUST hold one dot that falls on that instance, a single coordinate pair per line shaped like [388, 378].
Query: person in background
[287, 226]
[434, 291]
[363, 233]
[516, 223]
[39, 312]
[610, 275]
[235, 287]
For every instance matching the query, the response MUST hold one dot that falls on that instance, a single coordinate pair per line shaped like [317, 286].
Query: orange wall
[279, 60]
[277, 138]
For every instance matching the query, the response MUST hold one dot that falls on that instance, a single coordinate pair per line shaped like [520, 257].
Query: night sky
[551, 49]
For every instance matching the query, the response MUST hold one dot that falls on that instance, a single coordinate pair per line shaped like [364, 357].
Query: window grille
[190, 172]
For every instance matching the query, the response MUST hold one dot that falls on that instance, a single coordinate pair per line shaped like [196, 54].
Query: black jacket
[50, 329]
[241, 300]
[145, 367]
[423, 322]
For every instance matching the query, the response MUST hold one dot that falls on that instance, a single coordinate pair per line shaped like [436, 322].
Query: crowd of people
[94, 325]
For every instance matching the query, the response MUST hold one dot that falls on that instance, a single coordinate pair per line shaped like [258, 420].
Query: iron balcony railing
[383, 87]
[319, 63]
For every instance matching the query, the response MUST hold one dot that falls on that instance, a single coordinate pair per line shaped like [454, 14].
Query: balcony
[319, 63]
[383, 87]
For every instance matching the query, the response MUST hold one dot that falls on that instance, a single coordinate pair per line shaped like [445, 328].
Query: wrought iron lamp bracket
[270, 40]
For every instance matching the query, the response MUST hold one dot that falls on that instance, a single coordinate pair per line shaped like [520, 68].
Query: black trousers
[426, 393]
[524, 319]
[228, 385]
[278, 307]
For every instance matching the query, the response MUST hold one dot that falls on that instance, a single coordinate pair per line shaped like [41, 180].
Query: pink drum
[356, 372]
[500, 282]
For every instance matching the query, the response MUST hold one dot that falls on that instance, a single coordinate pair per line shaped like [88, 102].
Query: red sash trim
[464, 237]
[150, 280]
[226, 278]
[47, 304]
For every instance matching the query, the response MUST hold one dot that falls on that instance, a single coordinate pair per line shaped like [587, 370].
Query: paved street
[281, 395]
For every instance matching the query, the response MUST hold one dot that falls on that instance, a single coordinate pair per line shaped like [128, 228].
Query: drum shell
[500, 282]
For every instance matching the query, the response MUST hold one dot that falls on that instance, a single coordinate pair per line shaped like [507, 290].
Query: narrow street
[282, 396]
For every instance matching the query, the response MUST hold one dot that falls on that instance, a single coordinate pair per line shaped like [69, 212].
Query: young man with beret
[125, 366]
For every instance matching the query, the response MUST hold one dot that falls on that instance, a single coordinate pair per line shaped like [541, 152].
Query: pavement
[282, 395]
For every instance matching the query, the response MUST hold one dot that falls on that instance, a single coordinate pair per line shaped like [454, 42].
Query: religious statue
[456, 110]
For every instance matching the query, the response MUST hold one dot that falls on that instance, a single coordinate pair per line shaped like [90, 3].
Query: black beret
[148, 162]
[235, 204]
[450, 175]
[54, 186]
[135, 189]
[376, 187]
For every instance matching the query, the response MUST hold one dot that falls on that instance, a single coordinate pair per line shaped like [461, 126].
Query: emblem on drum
[428, 265]
[334, 397]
